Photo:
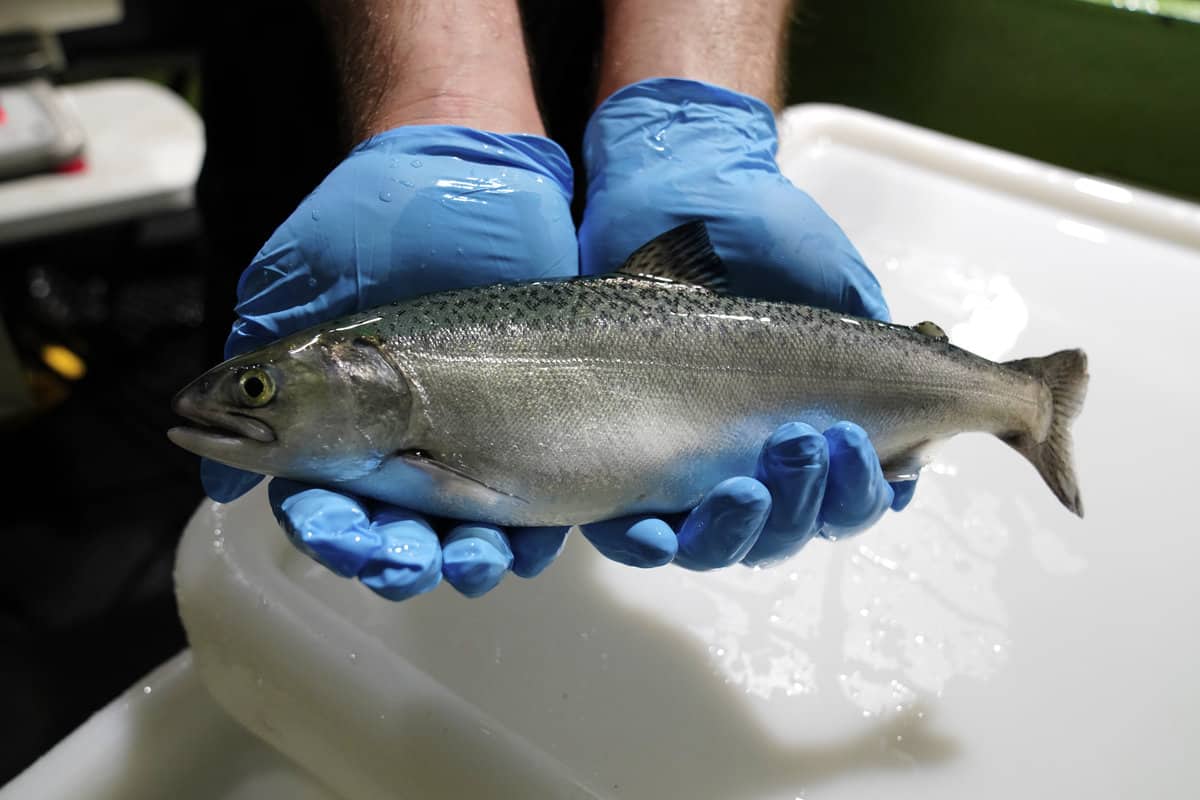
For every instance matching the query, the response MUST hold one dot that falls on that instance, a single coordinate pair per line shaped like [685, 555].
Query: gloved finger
[245, 336]
[475, 558]
[636, 541]
[724, 525]
[860, 294]
[904, 491]
[225, 484]
[332, 528]
[835, 275]
[408, 560]
[793, 465]
[856, 494]
[535, 548]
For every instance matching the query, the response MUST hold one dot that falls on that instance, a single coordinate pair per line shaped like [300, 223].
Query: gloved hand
[414, 210]
[665, 151]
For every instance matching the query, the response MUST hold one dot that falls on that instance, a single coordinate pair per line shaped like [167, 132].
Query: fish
[571, 401]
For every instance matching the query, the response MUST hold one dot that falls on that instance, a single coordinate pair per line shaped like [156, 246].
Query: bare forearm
[736, 44]
[425, 62]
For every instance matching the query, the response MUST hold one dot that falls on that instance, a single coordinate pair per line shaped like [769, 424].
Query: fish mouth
[216, 430]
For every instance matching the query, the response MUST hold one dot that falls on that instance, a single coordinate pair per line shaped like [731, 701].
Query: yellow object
[64, 362]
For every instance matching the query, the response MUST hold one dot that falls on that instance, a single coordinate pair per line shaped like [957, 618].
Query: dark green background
[1098, 89]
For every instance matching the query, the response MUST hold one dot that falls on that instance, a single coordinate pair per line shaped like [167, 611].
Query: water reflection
[977, 303]
[1082, 230]
[913, 605]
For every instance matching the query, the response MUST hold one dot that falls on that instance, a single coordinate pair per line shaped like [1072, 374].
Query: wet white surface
[984, 638]
[983, 643]
[164, 737]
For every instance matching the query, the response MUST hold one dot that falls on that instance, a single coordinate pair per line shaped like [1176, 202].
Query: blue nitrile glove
[414, 210]
[665, 151]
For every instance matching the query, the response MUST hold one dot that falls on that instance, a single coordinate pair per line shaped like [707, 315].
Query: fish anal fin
[907, 464]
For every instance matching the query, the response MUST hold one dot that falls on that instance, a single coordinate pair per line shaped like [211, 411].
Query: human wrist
[725, 42]
[501, 107]
[405, 62]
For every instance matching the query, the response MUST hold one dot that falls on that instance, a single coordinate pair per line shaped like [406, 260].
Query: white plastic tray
[984, 643]
[143, 148]
[164, 737]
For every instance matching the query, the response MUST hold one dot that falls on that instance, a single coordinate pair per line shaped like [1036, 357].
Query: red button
[76, 164]
[3, 116]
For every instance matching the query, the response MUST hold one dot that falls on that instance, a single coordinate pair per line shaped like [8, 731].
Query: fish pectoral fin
[681, 255]
[907, 465]
[454, 479]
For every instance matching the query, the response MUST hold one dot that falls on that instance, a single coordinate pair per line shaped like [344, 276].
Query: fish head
[322, 409]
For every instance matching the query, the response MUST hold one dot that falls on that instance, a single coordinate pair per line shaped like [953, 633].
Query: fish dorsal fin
[681, 255]
[932, 330]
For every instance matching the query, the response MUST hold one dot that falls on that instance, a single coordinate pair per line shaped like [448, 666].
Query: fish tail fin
[1065, 374]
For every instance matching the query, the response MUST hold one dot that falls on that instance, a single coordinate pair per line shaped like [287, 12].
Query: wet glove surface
[429, 208]
[666, 151]
[411, 211]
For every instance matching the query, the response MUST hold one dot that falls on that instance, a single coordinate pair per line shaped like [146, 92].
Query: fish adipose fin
[1065, 374]
[681, 255]
[932, 330]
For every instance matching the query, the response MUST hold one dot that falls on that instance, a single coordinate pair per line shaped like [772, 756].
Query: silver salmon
[572, 401]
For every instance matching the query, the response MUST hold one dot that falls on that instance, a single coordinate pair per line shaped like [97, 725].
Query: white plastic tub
[164, 737]
[984, 643]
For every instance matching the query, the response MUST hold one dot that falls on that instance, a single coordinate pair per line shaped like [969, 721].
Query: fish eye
[257, 388]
